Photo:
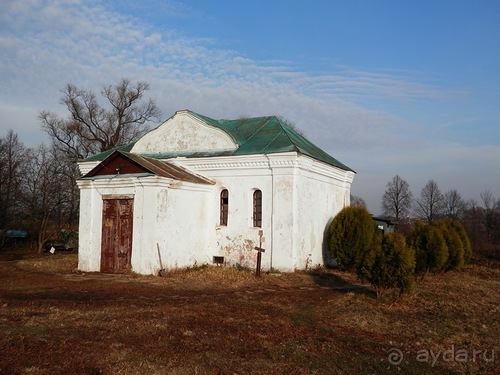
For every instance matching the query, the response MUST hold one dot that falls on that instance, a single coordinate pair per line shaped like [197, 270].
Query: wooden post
[260, 250]
[259, 259]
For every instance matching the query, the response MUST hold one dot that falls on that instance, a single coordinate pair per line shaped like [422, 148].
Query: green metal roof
[256, 135]
[103, 155]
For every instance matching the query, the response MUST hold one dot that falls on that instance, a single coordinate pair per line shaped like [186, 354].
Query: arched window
[224, 206]
[257, 208]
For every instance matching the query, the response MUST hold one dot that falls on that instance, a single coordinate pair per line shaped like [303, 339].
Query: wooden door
[117, 226]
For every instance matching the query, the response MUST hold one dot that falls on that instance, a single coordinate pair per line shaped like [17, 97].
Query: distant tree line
[38, 191]
[480, 221]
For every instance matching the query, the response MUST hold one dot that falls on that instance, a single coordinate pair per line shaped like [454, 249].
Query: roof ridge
[285, 127]
[268, 118]
[283, 130]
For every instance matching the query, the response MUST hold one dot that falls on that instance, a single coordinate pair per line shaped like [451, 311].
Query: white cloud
[53, 43]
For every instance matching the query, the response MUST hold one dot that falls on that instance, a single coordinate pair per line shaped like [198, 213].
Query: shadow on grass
[327, 279]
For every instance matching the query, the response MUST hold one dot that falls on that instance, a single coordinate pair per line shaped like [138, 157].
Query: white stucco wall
[166, 213]
[89, 227]
[236, 241]
[282, 207]
[180, 228]
[321, 192]
[300, 198]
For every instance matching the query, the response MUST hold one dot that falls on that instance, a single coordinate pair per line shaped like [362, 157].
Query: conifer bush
[391, 266]
[460, 230]
[351, 235]
[431, 252]
[453, 243]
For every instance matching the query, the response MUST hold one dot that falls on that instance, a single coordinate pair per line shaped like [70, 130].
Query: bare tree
[488, 199]
[453, 203]
[496, 227]
[94, 125]
[66, 215]
[357, 201]
[397, 199]
[430, 205]
[12, 158]
[472, 220]
[42, 192]
[91, 128]
[489, 203]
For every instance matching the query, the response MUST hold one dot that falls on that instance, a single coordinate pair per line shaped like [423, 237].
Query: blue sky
[387, 87]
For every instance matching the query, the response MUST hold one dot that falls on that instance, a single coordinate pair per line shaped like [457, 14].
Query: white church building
[199, 191]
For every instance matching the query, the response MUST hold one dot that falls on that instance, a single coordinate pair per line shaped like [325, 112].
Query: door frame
[114, 244]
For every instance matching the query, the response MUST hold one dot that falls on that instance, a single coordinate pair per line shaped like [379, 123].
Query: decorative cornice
[287, 160]
[86, 167]
[133, 182]
[238, 162]
[271, 161]
[242, 164]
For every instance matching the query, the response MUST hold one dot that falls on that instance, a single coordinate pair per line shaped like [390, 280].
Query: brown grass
[209, 320]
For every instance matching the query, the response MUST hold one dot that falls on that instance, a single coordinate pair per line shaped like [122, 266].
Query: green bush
[431, 252]
[351, 235]
[460, 230]
[391, 266]
[453, 243]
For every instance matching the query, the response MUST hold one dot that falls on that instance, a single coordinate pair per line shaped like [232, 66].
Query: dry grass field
[55, 320]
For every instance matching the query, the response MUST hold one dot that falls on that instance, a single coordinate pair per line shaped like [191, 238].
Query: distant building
[197, 190]
[385, 225]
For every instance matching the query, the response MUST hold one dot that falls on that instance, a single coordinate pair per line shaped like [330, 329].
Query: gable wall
[118, 165]
[183, 133]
